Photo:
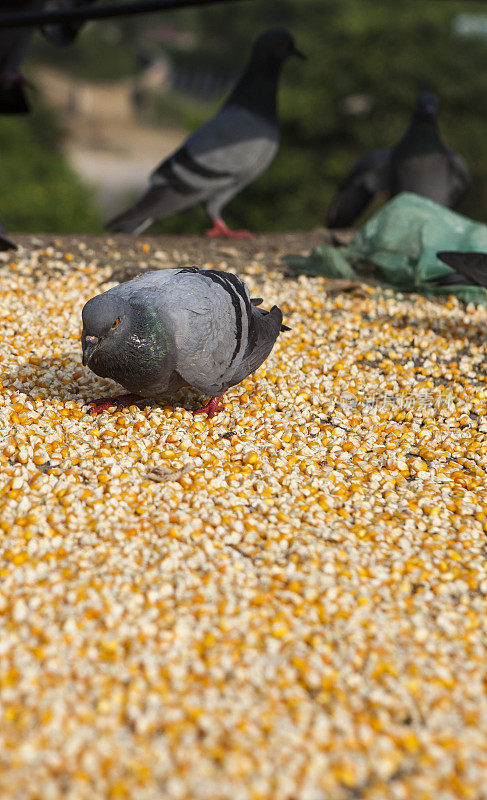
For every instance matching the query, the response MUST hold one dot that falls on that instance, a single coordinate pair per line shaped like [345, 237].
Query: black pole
[41, 18]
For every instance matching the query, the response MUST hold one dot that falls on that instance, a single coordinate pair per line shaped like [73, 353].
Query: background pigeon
[226, 153]
[177, 327]
[14, 43]
[419, 163]
[470, 268]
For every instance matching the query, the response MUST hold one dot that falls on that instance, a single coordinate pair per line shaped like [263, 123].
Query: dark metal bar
[41, 18]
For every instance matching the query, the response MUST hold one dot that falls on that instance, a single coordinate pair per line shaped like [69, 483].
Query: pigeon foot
[211, 408]
[120, 402]
[220, 229]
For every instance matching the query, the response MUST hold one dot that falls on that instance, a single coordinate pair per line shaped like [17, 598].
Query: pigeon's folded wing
[369, 176]
[460, 179]
[266, 326]
[210, 325]
[231, 147]
[470, 268]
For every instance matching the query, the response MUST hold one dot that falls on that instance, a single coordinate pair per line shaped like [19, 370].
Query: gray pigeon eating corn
[173, 328]
[226, 153]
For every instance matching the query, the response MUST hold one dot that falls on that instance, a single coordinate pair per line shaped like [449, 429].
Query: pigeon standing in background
[469, 268]
[15, 41]
[419, 163]
[177, 327]
[13, 45]
[226, 153]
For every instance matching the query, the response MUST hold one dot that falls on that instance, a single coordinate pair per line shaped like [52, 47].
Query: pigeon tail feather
[267, 326]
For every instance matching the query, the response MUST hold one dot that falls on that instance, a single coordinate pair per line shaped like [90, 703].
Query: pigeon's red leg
[211, 408]
[122, 401]
[220, 229]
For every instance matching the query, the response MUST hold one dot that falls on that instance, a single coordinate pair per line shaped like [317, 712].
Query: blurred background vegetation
[367, 60]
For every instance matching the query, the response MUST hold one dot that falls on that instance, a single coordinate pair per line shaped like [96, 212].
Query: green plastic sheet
[401, 240]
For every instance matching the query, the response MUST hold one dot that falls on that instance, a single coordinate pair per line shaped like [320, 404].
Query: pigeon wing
[460, 178]
[369, 176]
[231, 147]
[265, 328]
[208, 315]
[468, 268]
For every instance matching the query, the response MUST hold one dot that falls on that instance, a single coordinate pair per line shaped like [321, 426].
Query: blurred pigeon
[13, 45]
[419, 163]
[64, 33]
[226, 153]
[177, 327]
[470, 268]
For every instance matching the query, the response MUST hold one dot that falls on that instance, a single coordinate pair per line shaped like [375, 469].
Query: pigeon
[64, 33]
[419, 163]
[226, 153]
[470, 268]
[173, 328]
[13, 45]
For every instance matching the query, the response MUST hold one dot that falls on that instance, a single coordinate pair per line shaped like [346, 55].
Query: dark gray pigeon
[419, 163]
[174, 328]
[14, 43]
[467, 268]
[226, 153]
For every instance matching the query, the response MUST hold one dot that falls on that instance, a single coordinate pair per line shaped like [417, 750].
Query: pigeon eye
[117, 322]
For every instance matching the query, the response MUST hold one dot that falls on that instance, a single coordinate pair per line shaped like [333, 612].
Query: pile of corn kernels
[287, 602]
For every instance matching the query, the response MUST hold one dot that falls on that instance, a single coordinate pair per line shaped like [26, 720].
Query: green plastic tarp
[401, 240]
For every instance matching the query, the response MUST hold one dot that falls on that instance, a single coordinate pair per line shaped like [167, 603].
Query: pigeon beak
[89, 344]
[298, 53]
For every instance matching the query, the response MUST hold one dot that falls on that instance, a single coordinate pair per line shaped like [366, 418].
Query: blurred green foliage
[40, 191]
[384, 51]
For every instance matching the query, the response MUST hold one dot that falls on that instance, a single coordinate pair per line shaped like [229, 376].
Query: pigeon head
[106, 320]
[257, 87]
[125, 338]
[275, 46]
[426, 105]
